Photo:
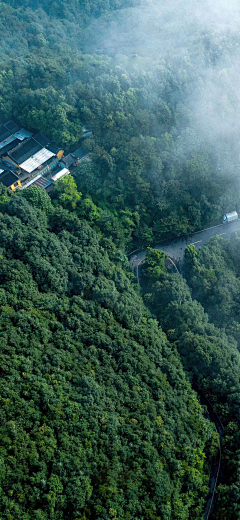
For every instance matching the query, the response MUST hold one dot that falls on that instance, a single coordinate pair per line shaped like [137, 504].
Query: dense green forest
[149, 157]
[209, 344]
[98, 417]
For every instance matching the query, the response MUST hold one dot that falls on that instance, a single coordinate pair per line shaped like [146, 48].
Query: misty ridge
[181, 58]
[196, 43]
[200, 42]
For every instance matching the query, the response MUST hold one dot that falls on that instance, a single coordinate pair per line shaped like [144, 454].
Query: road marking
[195, 242]
[221, 234]
[137, 268]
[173, 264]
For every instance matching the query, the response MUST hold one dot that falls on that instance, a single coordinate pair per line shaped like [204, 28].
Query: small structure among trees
[33, 158]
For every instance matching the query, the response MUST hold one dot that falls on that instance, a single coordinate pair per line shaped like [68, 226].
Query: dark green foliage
[209, 345]
[77, 8]
[213, 273]
[145, 161]
[97, 417]
[98, 420]
[38, 198]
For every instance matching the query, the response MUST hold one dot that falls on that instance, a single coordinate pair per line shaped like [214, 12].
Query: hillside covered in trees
[208, 344]
[157, 152]
[98, 417]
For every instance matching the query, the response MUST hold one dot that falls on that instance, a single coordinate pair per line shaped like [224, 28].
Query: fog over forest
[181, 33]
[119, 364]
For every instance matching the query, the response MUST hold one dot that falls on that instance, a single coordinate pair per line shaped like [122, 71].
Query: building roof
[41, 139]
[60, 173]
[11, 126]
[23, 134]
[7, 129]
[80, 153]
[53, 148]
[34, 148]
[69, 160]
[8, 144]
[4, 133]
[14, 139]
[23, 151]
[36, 160]
[39, 181]
[73, 157]
[8, 178]
[2, 166]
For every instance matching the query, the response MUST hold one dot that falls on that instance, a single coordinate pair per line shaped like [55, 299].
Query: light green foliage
[38, 198]
[88, 209]
[154, 264]
[65, 191]
[5, 195]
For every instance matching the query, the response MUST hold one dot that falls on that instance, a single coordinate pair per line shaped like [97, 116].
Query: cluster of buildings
[28, 159]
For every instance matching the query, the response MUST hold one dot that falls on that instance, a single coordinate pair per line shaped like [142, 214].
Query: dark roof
[53, 148]
[80, 153]
[23, 151]
[49, 188]
[4, 133]
[2, 165]
[69, 160]
[12, 127]
[28, 148]
[41, 139]
[8, 178]
[41, 182]
[9, 146]
[7, 129]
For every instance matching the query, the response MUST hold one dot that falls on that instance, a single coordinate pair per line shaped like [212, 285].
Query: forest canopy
[98, 416]
[156, 155]
[98, 419]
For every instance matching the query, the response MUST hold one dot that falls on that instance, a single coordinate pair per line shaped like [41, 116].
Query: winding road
[175, 248]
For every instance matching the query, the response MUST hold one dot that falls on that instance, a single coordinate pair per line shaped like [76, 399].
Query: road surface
[176, 247]
[216, 463]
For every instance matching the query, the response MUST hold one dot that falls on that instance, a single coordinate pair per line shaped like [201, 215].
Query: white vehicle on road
[229, 217]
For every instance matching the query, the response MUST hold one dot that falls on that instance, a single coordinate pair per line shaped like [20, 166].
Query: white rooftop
[36, 160]
[232, 214]
[30, 182]
[60, 174]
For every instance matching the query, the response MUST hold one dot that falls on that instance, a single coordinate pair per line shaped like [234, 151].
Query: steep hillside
[98, 419]
[209, 353]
